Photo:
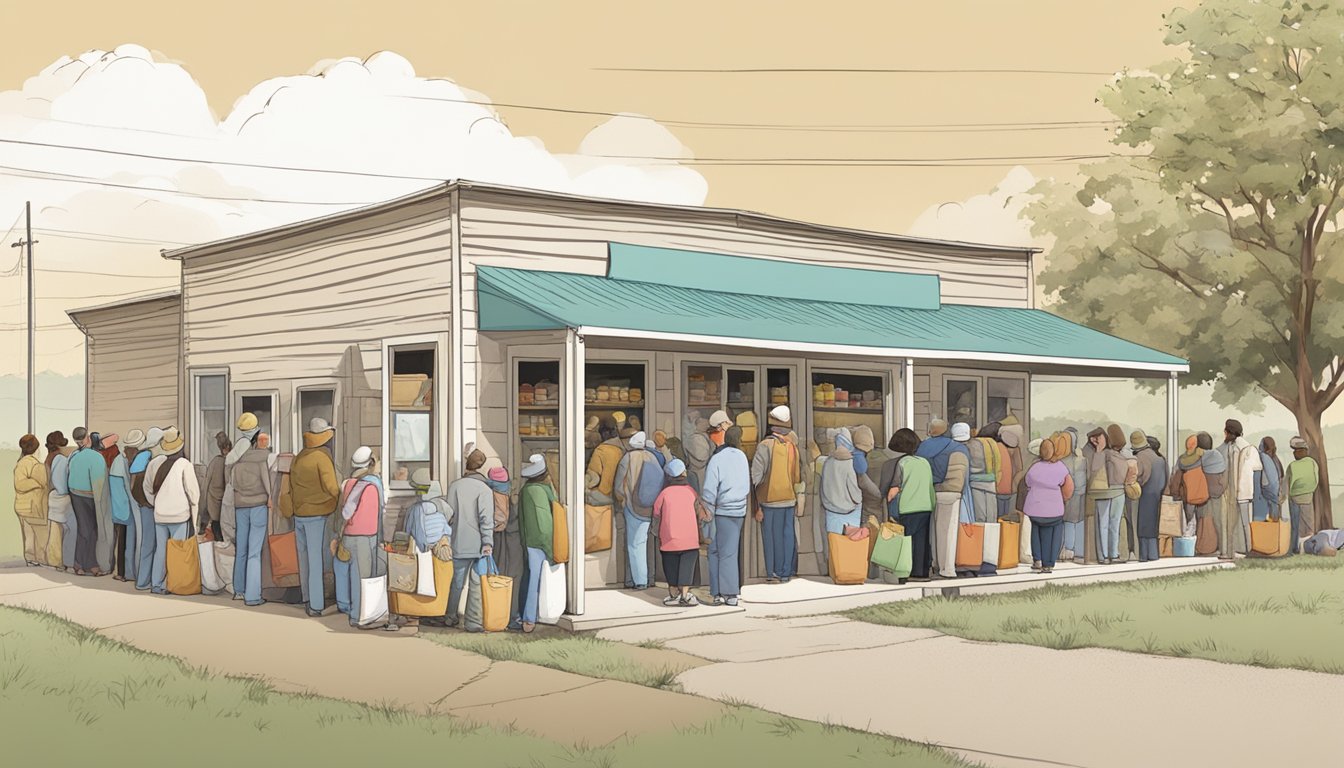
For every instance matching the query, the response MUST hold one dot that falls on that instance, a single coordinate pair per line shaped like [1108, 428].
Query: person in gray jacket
[250, 479]
[473, 523]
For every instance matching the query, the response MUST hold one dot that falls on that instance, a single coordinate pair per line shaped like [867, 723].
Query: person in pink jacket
[678, 534]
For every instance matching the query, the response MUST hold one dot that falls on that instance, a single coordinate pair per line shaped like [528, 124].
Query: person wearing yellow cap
[172, 490]
[314, 491]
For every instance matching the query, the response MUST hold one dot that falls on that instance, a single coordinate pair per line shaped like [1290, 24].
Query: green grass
[70, 696]
[1266, 613]
[647, 664]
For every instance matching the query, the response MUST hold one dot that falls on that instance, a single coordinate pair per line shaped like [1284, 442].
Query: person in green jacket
[534, 512]
[1299, 486]
[907, 485]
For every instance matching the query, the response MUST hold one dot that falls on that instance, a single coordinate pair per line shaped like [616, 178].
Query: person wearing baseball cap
[1300, 482]
[175, 496]
[724, 497]
[777, 475]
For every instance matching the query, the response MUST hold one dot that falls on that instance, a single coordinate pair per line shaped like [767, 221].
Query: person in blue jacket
[724, 500]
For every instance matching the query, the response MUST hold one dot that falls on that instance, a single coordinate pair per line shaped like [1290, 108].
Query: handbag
[551, 600]
[848, 559]
[1010, 541]
[990, 548]
[403, 570]
[183, 560]
[211, 583]
[496, 597]
[970, 545]
[224, 554]
[892, 550]
[424, 578]
[559, 532]
[416, 605]
[596, 527]
[1170, 522]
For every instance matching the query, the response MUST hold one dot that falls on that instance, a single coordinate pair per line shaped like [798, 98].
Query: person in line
[510, 554]
[908, 487]
[868, 462]
[248, 429]
[173, 492]
[361, 522]
[1106, 481]
[473, 524]
[986, 470]
[1049, 486]
[314, 493]
[1188, 484]
[1152, 480]
[699, 447]
[60, 517]
[1074, 545]
[841, 496]
[87, 481]
[250, 479]
[1011, 437]
[1299, 489]
[30, 501]
[724, 500]
[214, 487]
[1268, 482]
[534, 513]
[950, 466]
[678, 533]
[1219, 476]
[124, 512]
[639, 479]
[149, 444]
[1243, 460]
[777, 476]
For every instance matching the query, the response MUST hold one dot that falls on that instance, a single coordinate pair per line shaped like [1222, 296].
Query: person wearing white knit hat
[777, 474]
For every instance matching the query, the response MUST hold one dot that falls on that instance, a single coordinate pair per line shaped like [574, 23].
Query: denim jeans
[711, 557]
[1073, 538]
[985, 502]
[1047, 535]
[465, 575]
[1004, 503]
[780, 543]
[162, 533]
[636, 551]
[340, 571]
[364, 563]
[1109, 514]
[1149, 550]
[536, 563]
[943, 533]
[310, 534]
[836, 521]
[251, 537]
[144, 567]
[727, 546]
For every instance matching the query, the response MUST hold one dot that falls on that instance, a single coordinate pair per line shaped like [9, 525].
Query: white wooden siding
[133, 365]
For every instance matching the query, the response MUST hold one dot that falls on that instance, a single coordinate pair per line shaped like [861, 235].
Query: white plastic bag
[551, 601]
[210, 581]
[991, 544]
[1024, 541]
[372, 600]
[224, 556]
[424, 584]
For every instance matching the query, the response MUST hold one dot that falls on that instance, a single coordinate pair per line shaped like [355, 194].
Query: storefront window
[615, 395]
[963, 401]
[263, 407]
[316, 404]
[411, 414]
[847, 400]
[1004, 398]
[538, 415]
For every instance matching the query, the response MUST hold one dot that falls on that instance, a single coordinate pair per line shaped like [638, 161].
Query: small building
[477, 313]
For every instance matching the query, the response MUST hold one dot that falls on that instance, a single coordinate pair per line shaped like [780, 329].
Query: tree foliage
[1213, 232]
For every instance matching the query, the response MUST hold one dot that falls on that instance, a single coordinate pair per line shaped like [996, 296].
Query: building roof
[75, 315]
[527, 300]
[445, 189]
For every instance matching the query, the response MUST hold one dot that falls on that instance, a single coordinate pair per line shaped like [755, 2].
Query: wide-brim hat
[317, 425]
[134, 439]
[172, 440]
[535, 467]
[247, 422]
[1137, 439]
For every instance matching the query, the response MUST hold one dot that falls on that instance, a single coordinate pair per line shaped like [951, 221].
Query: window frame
[297, 424]
[438, 343]
[202, 445]
[277, 422]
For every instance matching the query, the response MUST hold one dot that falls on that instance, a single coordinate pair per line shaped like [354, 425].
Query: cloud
[991, 218]
[375, 118]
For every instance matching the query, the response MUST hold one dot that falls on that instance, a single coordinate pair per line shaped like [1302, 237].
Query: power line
[38, 175]
[105, 274]
[847, 71]
[75, 234]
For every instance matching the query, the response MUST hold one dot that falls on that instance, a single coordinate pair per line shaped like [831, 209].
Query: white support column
[908, 393]
[457, 406]
[1173, 416]
[571, 460]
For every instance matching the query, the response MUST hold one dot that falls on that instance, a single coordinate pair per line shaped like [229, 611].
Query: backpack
[1196, 486]
[650, 481]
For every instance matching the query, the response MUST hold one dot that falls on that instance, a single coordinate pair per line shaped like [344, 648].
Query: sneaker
[312, 613]
[239, 596]
[529, 627]
[718, 600]
[1047, 570]
[672, 600]
[731, 602]
[1035, 566]
[771, 580]
[254, 605]
[392, 627]
[690, 600]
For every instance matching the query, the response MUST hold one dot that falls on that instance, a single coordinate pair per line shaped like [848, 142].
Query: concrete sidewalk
[327, 657]
[1011, 705]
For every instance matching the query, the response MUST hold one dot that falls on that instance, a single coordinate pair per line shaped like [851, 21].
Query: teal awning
[526, 300]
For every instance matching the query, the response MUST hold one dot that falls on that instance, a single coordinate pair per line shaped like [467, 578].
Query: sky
[931, 119]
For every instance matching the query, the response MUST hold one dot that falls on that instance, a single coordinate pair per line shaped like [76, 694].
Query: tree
[1213, 233]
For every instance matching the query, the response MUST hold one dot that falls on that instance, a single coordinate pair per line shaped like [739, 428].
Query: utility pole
[27, 244]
